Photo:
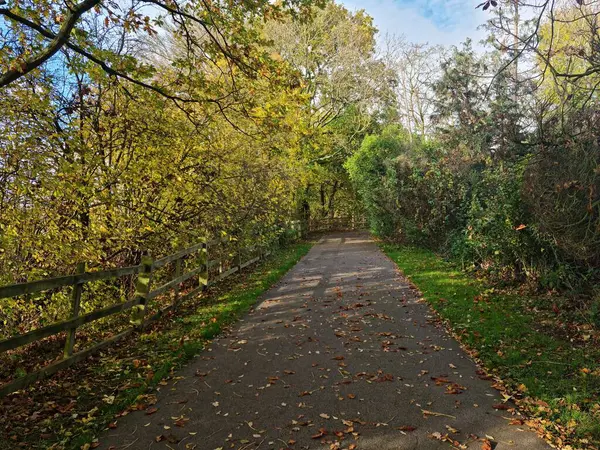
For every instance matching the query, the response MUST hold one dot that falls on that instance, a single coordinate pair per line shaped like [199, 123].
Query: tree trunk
[332, 197]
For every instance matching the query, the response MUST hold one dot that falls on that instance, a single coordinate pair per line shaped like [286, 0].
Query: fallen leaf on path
[436, 414]
[385, 377]
[501, 406]
[322, 432]
[452, 430]
[455, 389]
[446, 438]
[181, 422]
[440, 380]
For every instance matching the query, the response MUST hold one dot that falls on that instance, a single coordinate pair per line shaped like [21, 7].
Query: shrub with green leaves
[517, 220]
[372, 171]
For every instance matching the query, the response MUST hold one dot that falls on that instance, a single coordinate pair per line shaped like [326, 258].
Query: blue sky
[447, 22]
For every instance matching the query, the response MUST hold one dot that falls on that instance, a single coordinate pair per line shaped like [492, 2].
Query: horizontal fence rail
[33, 287]
[336, 223]
[228, 259]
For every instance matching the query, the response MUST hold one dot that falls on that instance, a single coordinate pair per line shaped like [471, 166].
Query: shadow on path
[339, 355]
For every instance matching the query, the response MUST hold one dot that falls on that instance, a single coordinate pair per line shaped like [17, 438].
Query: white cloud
[445, 22]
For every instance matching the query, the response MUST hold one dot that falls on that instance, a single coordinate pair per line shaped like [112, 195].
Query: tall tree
[415, 69]
[344, 83]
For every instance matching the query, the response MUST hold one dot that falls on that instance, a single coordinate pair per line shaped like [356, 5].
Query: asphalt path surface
[340, 354]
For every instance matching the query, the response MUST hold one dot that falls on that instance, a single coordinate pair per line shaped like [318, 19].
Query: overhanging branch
[58, 41]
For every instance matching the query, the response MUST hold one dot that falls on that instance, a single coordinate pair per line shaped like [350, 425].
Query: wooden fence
[230, 259]
[337, 224]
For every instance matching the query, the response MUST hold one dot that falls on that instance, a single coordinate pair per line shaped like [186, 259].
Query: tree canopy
[144, 126]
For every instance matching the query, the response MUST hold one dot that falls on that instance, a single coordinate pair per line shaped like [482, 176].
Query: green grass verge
[512, 338]
[127, 375]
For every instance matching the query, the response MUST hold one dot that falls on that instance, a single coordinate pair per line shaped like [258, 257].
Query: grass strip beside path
[70, 409]
[557, 381]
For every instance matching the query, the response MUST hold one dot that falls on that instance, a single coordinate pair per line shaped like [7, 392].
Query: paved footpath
[340, 354]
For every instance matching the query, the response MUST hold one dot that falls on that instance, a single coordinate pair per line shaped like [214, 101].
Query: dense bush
[562, 190]
[516, 220]
[372, 171]
[408, 192]
[497, 233]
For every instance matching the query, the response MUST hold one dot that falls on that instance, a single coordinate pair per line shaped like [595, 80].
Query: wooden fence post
[75, 307]
[221, 241]
[178, 263]
[203, 278]
[142, 289]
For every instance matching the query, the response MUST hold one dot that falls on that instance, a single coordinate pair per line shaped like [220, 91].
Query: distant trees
[345, 83]
[413, 75]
